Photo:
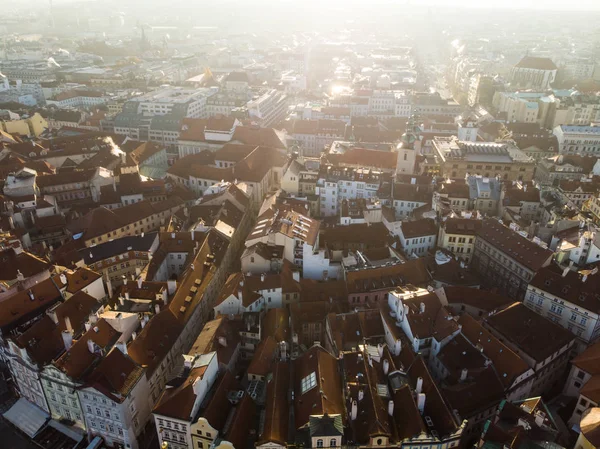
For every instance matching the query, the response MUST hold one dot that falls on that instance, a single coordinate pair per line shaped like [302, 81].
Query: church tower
[467, 128]
[409, 147]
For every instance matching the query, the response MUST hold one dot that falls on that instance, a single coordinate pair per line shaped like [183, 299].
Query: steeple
[144, 43]
[412, 134]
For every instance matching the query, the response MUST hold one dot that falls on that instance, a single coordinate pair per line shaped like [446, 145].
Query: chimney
[121, 301]
[138, 271]
[53, 317]
[262, 277]
[419, 385]
[88, 326]
[127, 296]
[91, 345]
[133, 336]
[68, 324]
[463, 374]
[67, 339]
[380, 349]
[192, 234]
[31, 296]
[539, 419]
[171, 286]
[139, 282]
[421, 402]
[422, 307]
[63, 278]
[122, 346]
[386, 366]
[156, 308]
[165, 299]
[565, 272]
[354, 412]
[391, 407]
[143, 323]
[361, 395]
[20, 276]
[109, 287]
[93, 318]
[124, 280]
[397, 347]
[223, 341]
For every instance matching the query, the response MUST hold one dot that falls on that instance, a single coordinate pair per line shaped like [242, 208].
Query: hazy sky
[573, 5]
[531, 4]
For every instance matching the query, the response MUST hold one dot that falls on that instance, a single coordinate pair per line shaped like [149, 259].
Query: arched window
[319, 443]
[333, 443]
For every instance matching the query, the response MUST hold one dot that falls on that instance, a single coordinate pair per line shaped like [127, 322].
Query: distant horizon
[538, 5]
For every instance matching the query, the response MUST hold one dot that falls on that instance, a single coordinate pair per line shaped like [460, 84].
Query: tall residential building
[582, 140]
[568, 298]
[507, 260]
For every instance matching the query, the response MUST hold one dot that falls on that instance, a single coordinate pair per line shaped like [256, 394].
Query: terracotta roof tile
[276, 423]
[533, 334]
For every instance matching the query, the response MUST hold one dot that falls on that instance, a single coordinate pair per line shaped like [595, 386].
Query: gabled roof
[572, 287]
[77, 361]
[435, 406]
[242, 422]
[589, 360]
[409, 423]
[524, 251]
[155, 341]
[533, 334]
[43, 341]
[276, 425]
[218, 407]
[434, 321]
[362, 157]
[419, 228]
[263, 357]
[26, 263]
[388, 277]
[27, 304]
[532, 62]
[463, 226]
[326, 397]
[145, 151]
[116, 375]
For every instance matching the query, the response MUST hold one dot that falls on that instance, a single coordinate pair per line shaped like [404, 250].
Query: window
[308, 383]
[581, 375]
[333, 442]
[319, 443]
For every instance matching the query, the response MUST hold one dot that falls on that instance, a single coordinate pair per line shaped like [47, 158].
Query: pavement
[12, 438]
